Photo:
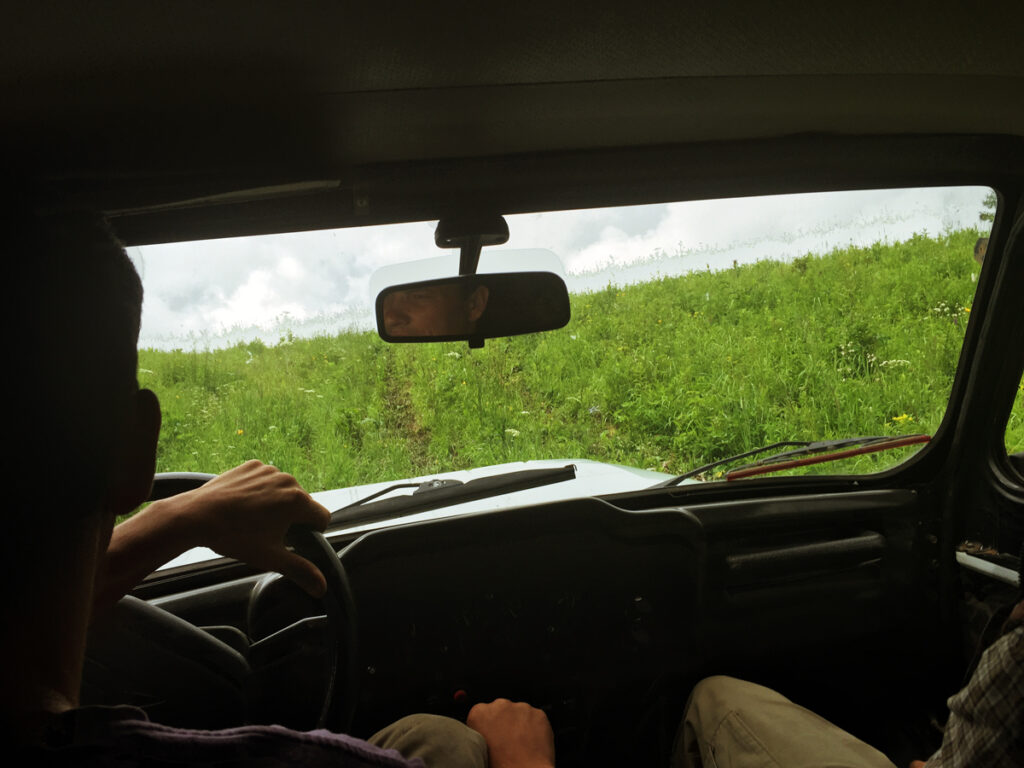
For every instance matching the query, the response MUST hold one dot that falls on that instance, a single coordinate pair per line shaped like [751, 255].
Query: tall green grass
[669, 374]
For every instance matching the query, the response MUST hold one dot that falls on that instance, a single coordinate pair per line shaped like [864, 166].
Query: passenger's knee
[438, 725]
[717, 682]
[438, 741]
[718, 688]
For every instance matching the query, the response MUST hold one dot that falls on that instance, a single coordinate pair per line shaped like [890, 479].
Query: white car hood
[593, 478]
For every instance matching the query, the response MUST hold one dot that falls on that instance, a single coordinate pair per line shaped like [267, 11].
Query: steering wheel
[141, 623]
[339, 704]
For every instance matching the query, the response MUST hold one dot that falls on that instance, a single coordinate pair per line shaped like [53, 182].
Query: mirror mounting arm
[470, 232]
[469, 257]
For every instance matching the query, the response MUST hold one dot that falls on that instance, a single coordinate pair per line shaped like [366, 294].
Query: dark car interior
[853, 595]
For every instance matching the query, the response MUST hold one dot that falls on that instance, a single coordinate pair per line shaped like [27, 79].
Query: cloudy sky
[217, 292]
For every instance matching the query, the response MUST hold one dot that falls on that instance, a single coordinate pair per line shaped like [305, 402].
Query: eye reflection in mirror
[445, 309]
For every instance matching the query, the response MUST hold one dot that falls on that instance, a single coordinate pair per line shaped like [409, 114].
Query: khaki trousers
[440, 742]
[730, 723]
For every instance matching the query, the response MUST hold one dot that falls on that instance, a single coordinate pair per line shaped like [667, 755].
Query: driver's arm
[243, 513]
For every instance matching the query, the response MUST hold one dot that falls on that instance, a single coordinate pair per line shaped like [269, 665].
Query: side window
[1015, 430]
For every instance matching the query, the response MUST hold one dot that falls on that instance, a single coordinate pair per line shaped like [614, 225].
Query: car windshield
[699, 330]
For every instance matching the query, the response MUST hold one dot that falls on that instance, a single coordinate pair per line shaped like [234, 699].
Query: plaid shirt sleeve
[986, 720]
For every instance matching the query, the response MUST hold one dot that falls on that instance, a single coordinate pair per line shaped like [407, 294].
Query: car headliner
[194, 119]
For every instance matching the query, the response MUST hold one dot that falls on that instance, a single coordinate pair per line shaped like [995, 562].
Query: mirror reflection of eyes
[423, 294]
[418, 295]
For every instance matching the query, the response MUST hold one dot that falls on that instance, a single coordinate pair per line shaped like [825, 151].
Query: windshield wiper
[434, 494]
[807, 452]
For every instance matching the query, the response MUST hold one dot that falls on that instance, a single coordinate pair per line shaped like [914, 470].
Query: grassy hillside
[668, 374]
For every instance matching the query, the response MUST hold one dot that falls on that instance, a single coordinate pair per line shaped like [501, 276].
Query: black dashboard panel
[570, 602]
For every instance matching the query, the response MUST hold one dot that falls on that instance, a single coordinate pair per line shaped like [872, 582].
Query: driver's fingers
[304, 510]
[322, 514]
[298, 569]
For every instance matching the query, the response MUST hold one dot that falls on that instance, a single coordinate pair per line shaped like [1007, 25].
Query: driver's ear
[478, 302]
[134, 475]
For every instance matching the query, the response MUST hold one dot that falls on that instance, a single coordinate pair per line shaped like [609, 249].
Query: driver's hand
[517, 735]
[245, 513]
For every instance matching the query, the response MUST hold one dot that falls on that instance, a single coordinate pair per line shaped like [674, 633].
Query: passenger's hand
[245, 514]
[517, 735]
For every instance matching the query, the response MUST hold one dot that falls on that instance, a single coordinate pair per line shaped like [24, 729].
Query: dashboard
[552, 605]
[578, 607]
[603, 612]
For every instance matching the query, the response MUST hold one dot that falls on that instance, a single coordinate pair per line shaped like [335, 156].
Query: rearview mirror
[472, 307]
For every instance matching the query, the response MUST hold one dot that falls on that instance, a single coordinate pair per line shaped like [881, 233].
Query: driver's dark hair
[72, 310]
